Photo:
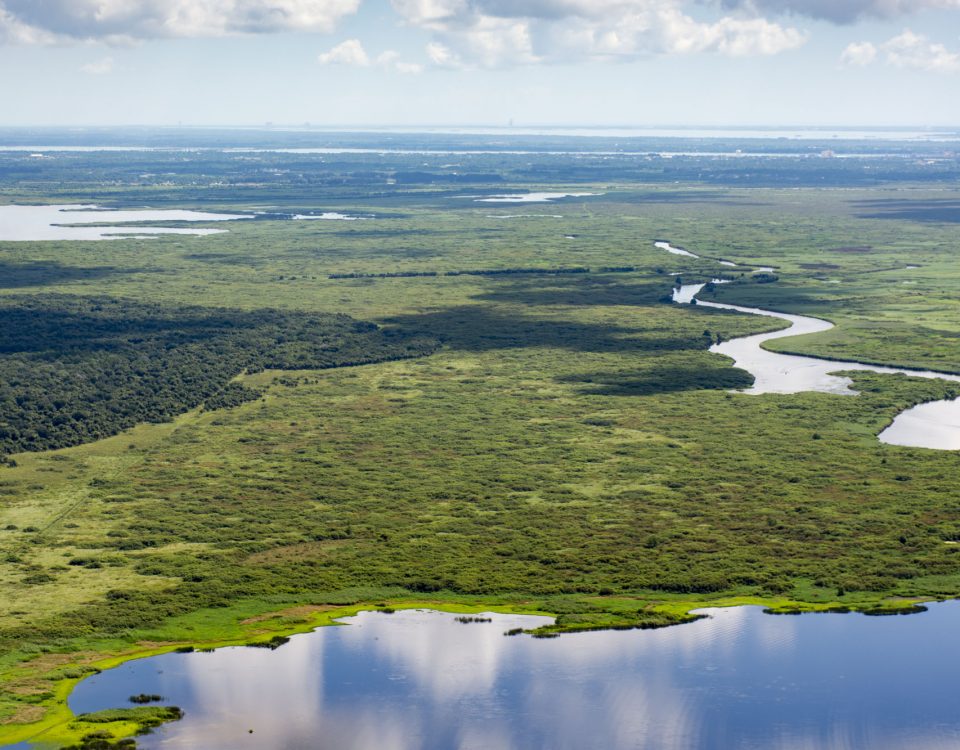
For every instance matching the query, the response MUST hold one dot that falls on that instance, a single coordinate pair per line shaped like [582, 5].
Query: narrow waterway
[935, 424]
[422, 680]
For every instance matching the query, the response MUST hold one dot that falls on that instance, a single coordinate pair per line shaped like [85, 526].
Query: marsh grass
[571, 449]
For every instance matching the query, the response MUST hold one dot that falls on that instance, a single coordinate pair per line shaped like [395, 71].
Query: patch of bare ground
[25, 715]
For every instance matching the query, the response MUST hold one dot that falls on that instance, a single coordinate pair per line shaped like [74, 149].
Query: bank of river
[420, 679]
[934, 424]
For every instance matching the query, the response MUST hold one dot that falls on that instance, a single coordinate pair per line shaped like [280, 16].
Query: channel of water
[935, 424]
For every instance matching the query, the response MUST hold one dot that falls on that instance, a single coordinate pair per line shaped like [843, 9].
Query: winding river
[935, 424]
[424, 680]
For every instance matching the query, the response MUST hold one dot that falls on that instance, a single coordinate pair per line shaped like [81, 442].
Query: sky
[378, 63]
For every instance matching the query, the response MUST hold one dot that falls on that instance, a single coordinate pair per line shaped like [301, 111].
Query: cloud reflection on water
[420, 680]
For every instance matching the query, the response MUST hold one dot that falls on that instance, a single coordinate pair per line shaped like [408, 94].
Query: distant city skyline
[450, 63]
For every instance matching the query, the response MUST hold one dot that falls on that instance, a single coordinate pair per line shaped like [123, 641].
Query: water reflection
[421, 680]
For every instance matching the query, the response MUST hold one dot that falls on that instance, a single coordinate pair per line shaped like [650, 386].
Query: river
[423, 680]
[935, 424]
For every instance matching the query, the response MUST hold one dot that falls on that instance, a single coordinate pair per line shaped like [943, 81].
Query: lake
[34, 223]
[420, 680]
[535, 197]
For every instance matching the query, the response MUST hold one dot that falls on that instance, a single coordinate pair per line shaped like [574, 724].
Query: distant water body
[72, 222]
[530, 197]
[704, 142]
[41, 152]
[786, 133]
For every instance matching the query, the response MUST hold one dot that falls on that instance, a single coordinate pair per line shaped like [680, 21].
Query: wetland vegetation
[530, 428]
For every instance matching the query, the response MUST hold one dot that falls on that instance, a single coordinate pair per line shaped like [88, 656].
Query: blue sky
[457, 62]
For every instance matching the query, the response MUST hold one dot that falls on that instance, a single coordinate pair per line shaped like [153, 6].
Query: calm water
[664, 245]
[329, 216]
[30, 223]
[525, 216]
[420, 680]
[685, 294]
[932, 425]
[530, 197]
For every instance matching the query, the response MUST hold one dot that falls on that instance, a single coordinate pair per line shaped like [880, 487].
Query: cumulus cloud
[906, 50]
[442, 56]
[98, 67]
[351, 52]
[46, 21]
[858, 54]
[498, 33]
[842, 11]
[909, 50]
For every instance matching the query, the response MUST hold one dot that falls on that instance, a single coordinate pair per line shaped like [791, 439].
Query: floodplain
[434, 407]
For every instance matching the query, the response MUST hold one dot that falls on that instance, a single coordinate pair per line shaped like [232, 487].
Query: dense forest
[76, 369]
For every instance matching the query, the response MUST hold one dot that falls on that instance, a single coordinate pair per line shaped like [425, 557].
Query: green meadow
[550, 441]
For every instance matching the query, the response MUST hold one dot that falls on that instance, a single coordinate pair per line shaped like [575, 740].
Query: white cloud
[858, 54]
[906, 50]
[842, 11]
[734, 37]
[909, 50]
[46, 21]
[98, 67]
[503, 33]
[349, 52]
[442, 56]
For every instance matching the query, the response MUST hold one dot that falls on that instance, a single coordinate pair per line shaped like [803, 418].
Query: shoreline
[795, 320]
[253, 621]
[61, 726]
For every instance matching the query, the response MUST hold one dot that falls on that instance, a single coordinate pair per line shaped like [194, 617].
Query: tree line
[485, 272]
[77, 369]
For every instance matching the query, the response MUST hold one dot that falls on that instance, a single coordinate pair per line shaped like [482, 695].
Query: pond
[35, 223]
[422, 680]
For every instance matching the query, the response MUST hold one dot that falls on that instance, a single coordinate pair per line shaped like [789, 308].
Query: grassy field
[571, 448]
